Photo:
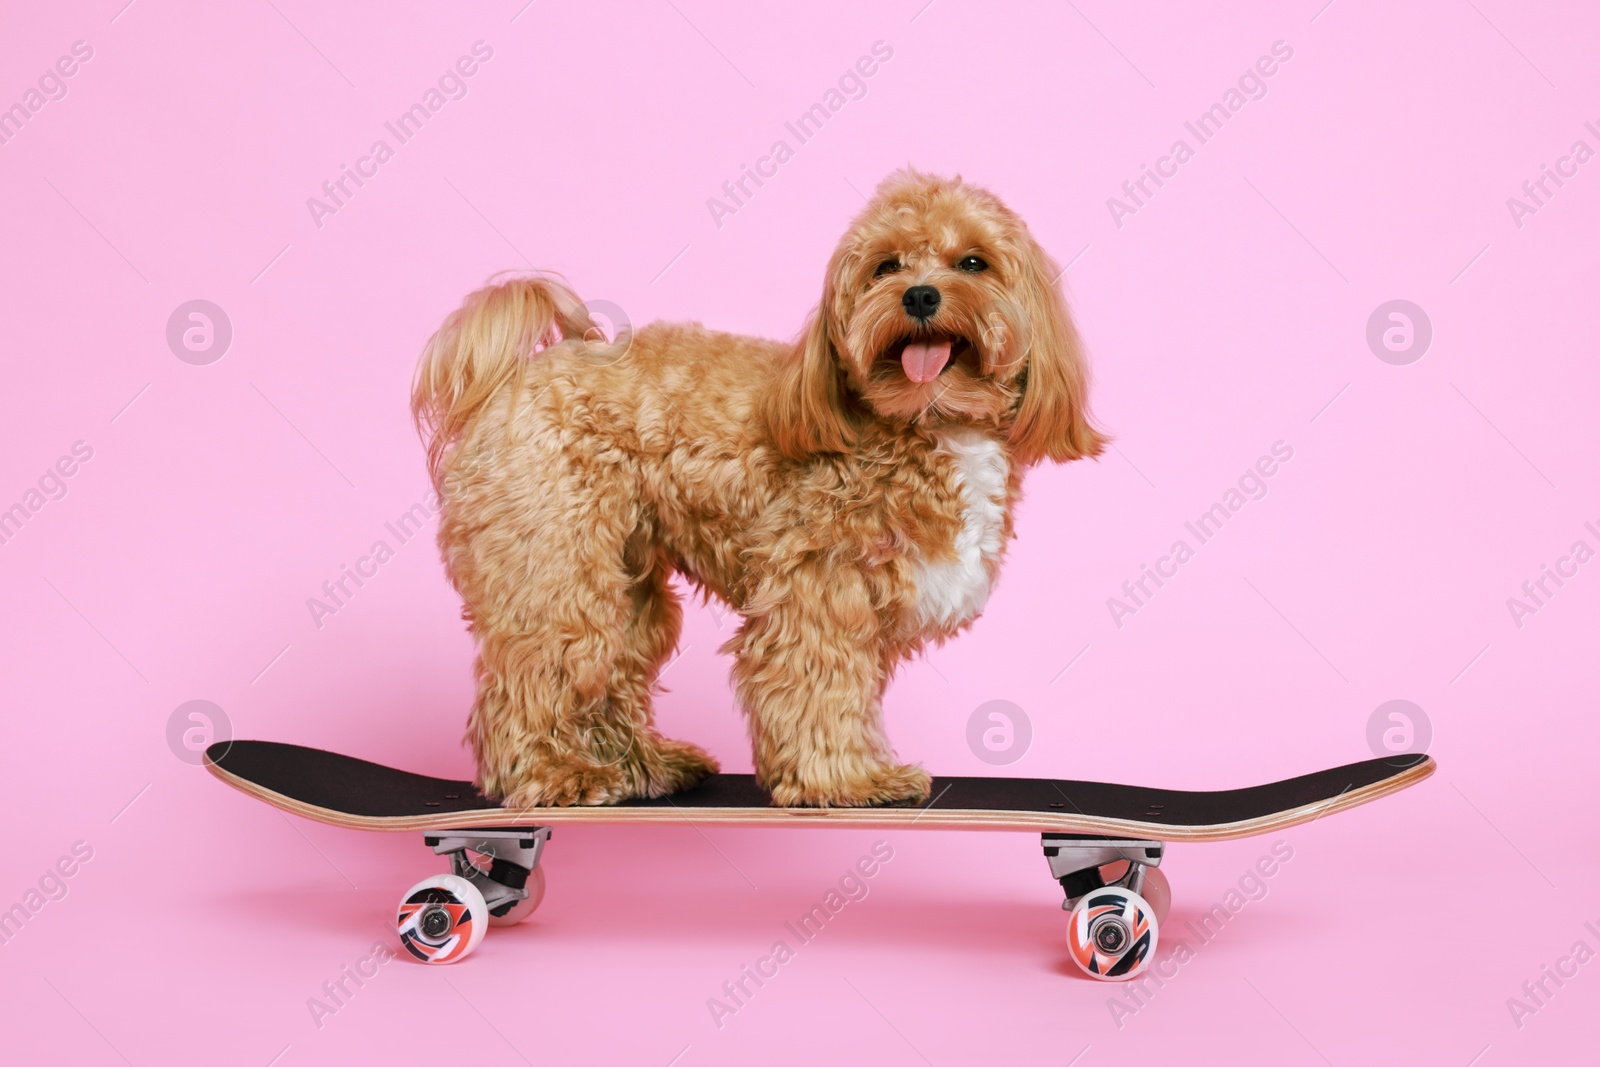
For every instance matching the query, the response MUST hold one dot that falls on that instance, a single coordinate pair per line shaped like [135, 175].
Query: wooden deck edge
[839, 818]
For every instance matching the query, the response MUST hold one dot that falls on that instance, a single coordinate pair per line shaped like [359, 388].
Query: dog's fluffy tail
[483, 348]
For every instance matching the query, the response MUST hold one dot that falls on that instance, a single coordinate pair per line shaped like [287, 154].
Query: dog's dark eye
[888, 266]
[972, 265]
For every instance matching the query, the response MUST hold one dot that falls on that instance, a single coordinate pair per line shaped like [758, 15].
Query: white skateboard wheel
[442, 919]
[1112, 933]
[1158, 892]
[526, 906]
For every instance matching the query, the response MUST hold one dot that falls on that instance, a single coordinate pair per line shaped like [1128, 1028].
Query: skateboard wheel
[1112, 934]
[524, 907]
[442, 919]
[1157, 892]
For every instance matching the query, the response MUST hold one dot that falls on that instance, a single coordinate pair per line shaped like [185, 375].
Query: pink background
[1228, 313]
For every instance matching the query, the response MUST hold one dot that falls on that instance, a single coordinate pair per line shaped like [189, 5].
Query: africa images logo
[1138, 192]
[337, 192]
[852, 85]
[1252, 485]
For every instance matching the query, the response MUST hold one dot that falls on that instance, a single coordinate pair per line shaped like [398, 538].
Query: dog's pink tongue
[924, 361]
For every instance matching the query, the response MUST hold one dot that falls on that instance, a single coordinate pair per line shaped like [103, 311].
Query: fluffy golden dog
[850, 495]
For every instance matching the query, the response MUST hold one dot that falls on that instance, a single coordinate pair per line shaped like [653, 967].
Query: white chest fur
[952, 591]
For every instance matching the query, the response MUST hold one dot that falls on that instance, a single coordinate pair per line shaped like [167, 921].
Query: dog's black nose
[920, 302]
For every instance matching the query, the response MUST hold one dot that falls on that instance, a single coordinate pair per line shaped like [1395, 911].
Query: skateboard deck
[1103, 842]
[357, 794]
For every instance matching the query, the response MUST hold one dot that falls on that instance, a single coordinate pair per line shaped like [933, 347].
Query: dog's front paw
[880, 784]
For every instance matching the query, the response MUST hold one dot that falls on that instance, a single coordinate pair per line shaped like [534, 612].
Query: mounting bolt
[435, 922]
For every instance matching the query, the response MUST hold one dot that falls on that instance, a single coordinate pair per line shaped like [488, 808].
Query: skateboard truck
[1076, 861]
[513, 856]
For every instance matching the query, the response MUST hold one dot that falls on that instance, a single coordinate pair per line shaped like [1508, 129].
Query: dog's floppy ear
[806, 412]
[1052, 419]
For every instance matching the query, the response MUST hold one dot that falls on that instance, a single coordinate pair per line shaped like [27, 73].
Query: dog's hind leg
[654, 765]
[535, 539]
[539, 726]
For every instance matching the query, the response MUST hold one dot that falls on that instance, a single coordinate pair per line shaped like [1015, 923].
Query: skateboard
[1103, 842]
